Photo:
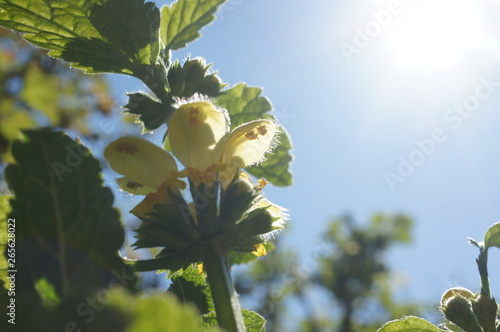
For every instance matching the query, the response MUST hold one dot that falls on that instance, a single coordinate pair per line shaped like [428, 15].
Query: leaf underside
[94, 35]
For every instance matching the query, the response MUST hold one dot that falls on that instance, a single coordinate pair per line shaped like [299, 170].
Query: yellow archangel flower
[199, 138]
[147, 169]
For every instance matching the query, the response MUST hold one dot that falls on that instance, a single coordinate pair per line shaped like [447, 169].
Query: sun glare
[431, 34]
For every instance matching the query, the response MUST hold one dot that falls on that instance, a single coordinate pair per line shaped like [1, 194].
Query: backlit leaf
[492, 236]
[181, 21]
[409, 324]
[94, 35]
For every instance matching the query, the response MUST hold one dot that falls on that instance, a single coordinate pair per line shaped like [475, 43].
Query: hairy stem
[227, 306]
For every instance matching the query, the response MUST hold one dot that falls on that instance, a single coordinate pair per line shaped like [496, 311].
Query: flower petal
[147, 204]
[133, 187]
[246, 145]
[144, 164]
[260, 250]
[194, 130]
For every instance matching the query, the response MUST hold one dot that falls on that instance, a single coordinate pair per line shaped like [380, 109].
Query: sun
[431, 34]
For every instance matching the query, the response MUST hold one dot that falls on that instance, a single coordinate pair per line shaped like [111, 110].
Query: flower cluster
[226, 206]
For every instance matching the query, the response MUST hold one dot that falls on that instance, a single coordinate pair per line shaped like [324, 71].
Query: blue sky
[411, 96]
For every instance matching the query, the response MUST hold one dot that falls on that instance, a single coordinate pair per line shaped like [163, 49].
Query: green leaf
[66, 228]
[193, 78]
[181, 21]
[13, 121]
[245, 104]
[409, 324]
[47, 293]
[184, 81]
[492, 236]
[253, 321]
[151, 113]
[156, 313]
[189, 285]
[97, 36]
[122, 312]
[40, 92]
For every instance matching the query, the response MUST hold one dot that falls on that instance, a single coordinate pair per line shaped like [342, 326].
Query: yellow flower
[147, 169]
[199, 139]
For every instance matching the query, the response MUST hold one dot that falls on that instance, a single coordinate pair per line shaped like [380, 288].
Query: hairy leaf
[245, 104]
[151, 113]
[181, 21]
[409, 324]
[94, 35]
[66, 228]
[184, 81]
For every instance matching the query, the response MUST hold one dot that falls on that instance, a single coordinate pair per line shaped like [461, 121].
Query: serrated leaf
[97, 36]
[253, 321]
[189, 285]
[245, 104]
[151, 112]
[492, 236]
[409, 324]
[181, 21]
[66, 228]
[184, 82]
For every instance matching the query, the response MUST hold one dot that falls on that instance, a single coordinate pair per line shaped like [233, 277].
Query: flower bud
[194, 70]
[458, 310]
[176, 78]
[456, 291]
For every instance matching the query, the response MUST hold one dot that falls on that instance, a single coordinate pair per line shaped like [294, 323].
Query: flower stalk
[224, 211]
[227, 306]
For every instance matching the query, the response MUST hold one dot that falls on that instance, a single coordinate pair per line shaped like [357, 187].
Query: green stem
[227, 306]
[482, 264]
